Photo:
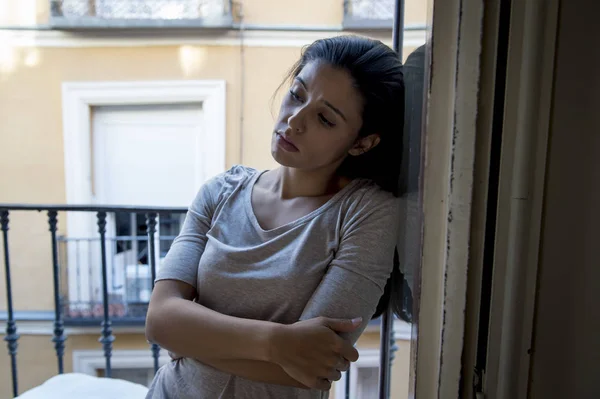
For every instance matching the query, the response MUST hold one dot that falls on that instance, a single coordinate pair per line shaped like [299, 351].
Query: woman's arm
[185, 327]
[357, 275]
[253, 349]
[232, 341]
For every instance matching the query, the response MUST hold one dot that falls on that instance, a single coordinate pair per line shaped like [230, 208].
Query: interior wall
[566, 349]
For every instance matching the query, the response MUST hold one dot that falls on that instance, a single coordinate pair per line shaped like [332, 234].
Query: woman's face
[319, 119]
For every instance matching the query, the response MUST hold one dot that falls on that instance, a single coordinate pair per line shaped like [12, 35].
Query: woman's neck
[293, 183]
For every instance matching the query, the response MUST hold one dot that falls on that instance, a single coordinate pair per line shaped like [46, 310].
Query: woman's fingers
[334, 375]
[349, 352]
[343, 365]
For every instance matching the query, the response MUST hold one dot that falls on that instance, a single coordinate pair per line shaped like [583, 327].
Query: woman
[275, 274]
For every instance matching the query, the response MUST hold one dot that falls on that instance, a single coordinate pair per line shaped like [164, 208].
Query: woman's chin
[283, 158]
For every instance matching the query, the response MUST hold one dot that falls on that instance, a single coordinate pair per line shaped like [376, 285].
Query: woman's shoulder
[370, 209]
[223, 184]
[368, 194]
[367, 202]
[237, 174]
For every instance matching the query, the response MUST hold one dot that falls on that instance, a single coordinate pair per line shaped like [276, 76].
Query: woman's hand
[312, 352]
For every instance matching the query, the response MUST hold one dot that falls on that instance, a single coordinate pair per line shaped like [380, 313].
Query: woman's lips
[286, 144]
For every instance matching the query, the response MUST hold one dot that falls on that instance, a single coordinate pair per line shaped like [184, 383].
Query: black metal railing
[98, 14]
[59, 337]
[129, 276]
[104, 318]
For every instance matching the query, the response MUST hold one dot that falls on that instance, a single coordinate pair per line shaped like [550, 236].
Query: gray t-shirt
[333, 262]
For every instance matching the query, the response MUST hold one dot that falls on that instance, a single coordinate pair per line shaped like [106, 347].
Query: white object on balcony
[138, 283]
[75, 385]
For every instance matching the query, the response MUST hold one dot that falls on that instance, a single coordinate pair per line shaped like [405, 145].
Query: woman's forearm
[256, 370]
[192, 330]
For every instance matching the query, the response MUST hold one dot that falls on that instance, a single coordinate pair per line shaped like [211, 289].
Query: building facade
[103, 104]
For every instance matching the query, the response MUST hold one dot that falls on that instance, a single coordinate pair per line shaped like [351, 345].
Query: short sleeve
[356, 277]
[181, 262]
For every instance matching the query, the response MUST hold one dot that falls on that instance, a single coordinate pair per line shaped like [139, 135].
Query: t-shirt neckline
[311, 215]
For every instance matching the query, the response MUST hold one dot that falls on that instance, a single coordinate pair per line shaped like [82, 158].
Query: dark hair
[377, 73]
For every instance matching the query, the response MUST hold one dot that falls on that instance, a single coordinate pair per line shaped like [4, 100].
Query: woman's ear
[364, 144]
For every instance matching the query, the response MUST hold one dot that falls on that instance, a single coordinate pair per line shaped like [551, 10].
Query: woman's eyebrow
[334, 109]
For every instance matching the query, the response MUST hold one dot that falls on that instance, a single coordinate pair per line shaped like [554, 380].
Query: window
[188, 108]
[368, 14]
[136, 366]
[141, 375]
[139, 13]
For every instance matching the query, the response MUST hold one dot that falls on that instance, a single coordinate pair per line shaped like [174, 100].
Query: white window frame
[78, 99]
[90, 361]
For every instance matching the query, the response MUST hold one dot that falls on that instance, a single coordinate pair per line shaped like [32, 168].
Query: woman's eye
[295, 96]
[325, 121]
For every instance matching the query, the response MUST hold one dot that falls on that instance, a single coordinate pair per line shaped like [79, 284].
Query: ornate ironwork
[11, 337]
[59, 336]
[369, 9]
[140, 9]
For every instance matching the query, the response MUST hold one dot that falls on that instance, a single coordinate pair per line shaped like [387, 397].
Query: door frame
[78, 98]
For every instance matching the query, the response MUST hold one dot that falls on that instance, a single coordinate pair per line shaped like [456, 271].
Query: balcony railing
[369, 14]
[119, 277]
[129, 276]
[131, 14]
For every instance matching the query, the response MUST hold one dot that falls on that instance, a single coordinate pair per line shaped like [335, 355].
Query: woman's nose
[296, 121]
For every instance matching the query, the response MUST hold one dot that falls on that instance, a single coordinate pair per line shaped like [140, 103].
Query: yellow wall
[23, 12]
[310, 12]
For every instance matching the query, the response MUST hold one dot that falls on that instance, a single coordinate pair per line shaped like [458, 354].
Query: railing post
[398, 28]
[11, 336]
[107, 338]
[385, 356]
[347, 383]
[59, 337]
[151, 227]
